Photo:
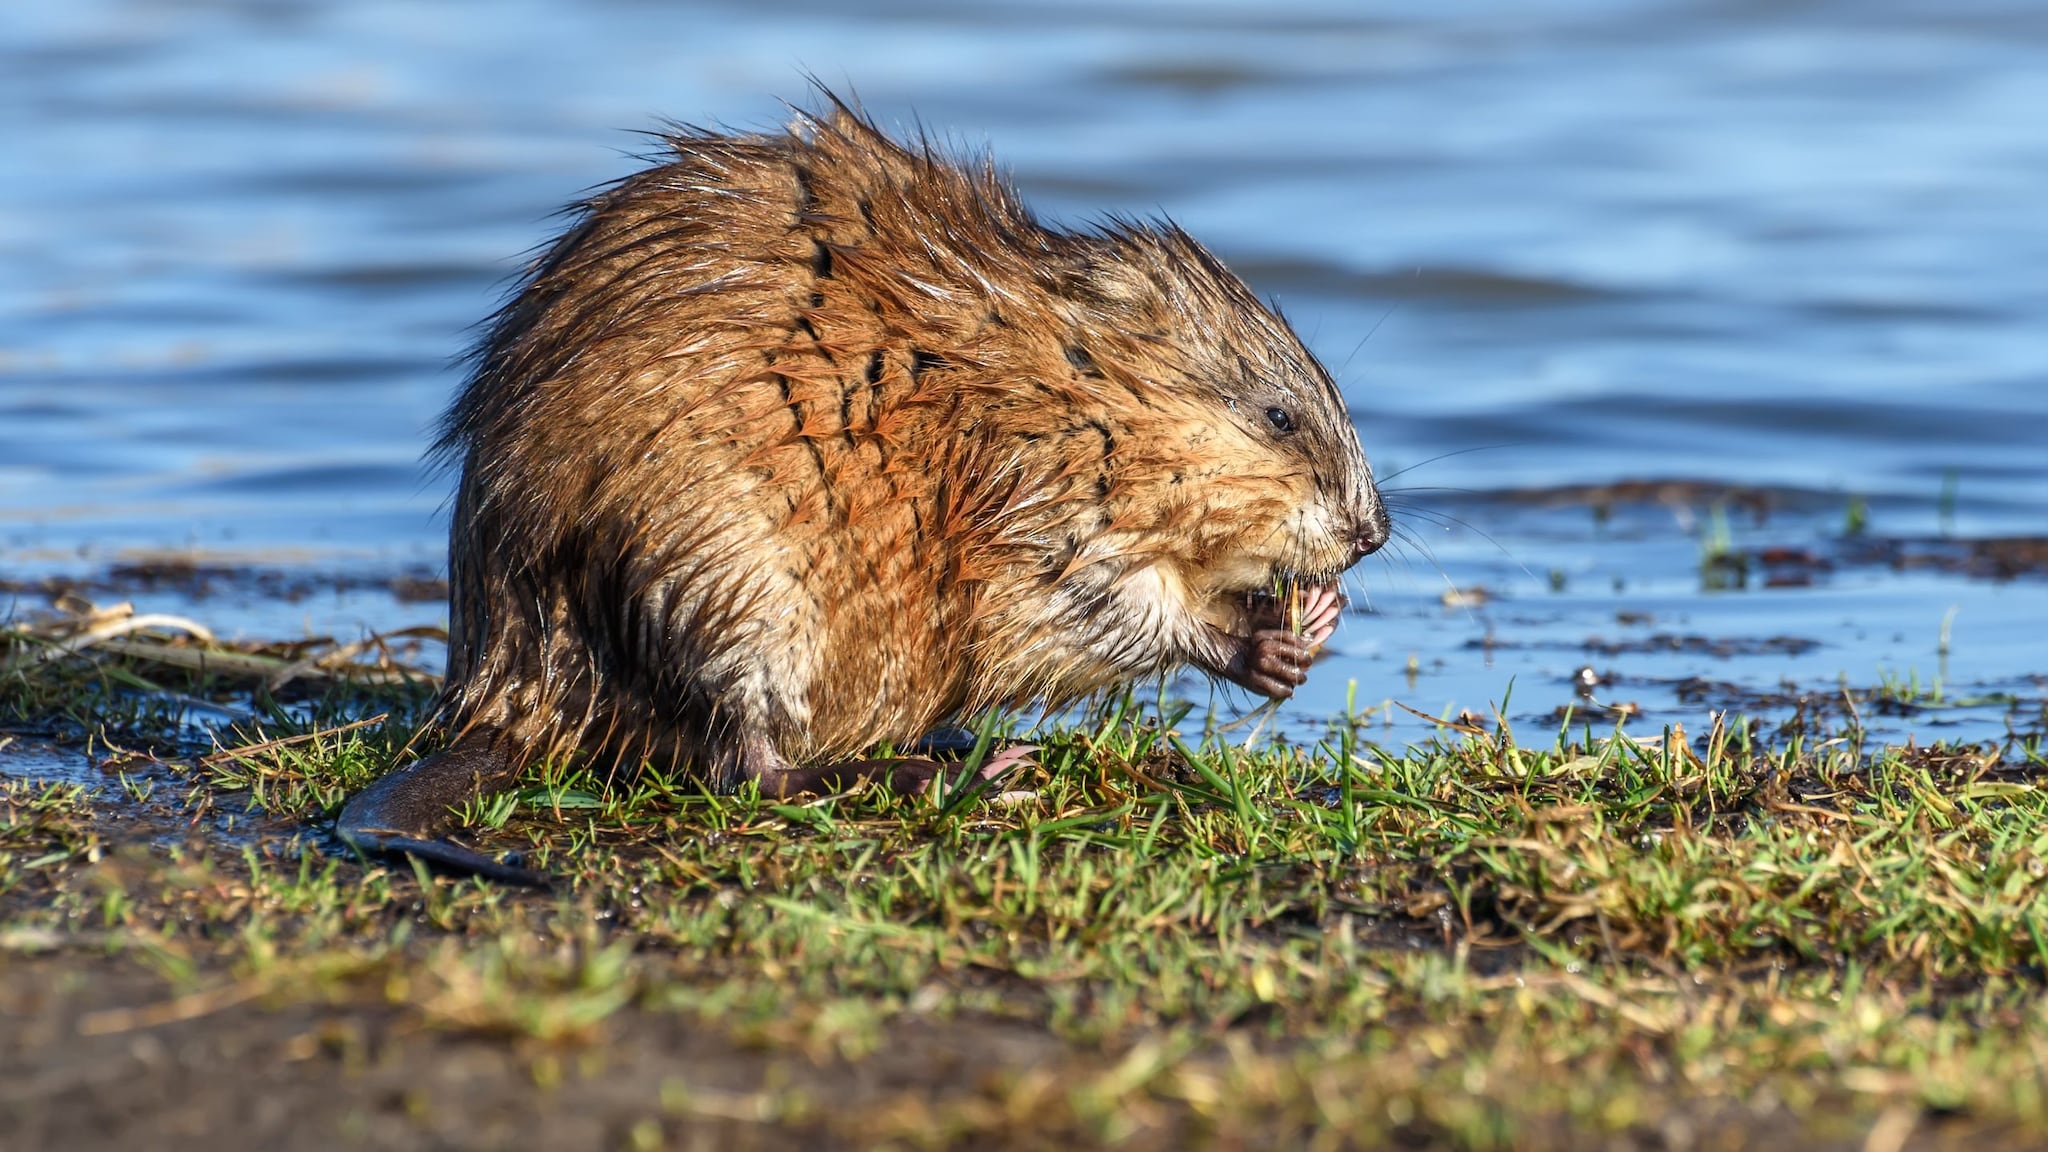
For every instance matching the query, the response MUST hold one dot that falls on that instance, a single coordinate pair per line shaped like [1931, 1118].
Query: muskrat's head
[1246, 453]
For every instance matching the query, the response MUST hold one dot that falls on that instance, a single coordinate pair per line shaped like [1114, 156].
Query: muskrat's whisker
[1417, 512]
[1450, 585]
[1397, 553]
[1345, 367]
[1447, 519]
[1445, 456]
[1422, 548]
[1364, 597]
[1391, 495]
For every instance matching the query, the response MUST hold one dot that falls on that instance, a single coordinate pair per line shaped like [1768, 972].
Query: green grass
[1476, 944]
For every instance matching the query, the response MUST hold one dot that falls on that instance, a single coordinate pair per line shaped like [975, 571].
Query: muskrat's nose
[1373, 534]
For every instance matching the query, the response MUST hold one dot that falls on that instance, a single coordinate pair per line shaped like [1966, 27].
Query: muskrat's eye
[1280, 419]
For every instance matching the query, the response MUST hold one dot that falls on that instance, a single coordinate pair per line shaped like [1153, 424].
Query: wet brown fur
[798, 443]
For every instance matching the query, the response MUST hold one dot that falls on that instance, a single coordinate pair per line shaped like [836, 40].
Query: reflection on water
[1561, 242]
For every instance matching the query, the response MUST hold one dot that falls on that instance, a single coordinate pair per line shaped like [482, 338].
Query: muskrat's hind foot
[918, 775]
[906, 775]
[405, 811]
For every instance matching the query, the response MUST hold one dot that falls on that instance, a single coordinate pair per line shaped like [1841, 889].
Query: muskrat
[793, 445]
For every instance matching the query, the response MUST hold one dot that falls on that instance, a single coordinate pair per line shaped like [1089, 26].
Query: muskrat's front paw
[1317, 616]
[1276, 662]
[1311, 611]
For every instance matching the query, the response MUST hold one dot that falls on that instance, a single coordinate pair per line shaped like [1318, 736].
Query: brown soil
[89, 1061]
[82, 1066]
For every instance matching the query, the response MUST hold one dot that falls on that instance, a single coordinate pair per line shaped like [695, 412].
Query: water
[1551, 243]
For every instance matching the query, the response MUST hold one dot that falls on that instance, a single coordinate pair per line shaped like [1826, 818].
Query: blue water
[1544, 243]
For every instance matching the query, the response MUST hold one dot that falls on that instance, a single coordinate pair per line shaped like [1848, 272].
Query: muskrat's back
[795, 444]
[685, 491]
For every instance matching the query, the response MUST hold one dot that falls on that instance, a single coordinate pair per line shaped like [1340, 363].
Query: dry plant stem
[247, 751]
[98, 634]
[112, 631]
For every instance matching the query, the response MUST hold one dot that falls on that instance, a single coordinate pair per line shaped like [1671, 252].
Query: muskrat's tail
[405, 811]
